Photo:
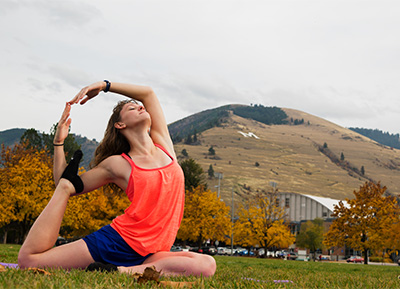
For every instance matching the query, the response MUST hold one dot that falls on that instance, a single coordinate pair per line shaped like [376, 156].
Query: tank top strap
[164, 150]
[128, 158]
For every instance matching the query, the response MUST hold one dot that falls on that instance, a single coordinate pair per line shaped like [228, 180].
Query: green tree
[185, 153]
[194, 174]
[211, 172]
[188, 139]
[32, 138]
[342, 156]
[45, 141]
[211, 151]
[311, 235]
[363, 223]
[70, 144]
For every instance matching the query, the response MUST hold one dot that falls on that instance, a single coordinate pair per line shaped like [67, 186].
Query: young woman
[137, 155]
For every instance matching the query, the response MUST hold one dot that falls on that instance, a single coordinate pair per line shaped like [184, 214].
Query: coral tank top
[157, 196]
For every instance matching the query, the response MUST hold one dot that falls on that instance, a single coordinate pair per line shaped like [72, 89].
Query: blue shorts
[107, 246]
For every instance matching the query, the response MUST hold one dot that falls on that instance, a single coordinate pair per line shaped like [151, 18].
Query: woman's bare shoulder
[116, 165]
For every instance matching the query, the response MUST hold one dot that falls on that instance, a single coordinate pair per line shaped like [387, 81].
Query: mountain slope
[315, 157]
[291, 156]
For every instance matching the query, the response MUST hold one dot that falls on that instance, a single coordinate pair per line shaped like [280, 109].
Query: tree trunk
[5, 237]
[366, 257]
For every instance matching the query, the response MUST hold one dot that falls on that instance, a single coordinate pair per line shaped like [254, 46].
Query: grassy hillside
[291, 156]
[314, 157]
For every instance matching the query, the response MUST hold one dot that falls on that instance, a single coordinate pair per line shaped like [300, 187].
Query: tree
[185, 153]
[188, 139]
[45, 141]
[261, 222]
[311, 235]
[205, 217]
[194, 174]
[26, 186]
[211, 151]
[32, 138]
[89, 212]
[210, 172]
[362, 225]
[362, 170]
[70, 144]
[342, 156]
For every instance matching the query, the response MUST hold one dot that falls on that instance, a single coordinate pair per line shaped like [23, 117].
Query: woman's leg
[38, 251]
[177, 263]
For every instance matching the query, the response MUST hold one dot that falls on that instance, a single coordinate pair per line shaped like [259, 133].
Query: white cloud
[335, 59]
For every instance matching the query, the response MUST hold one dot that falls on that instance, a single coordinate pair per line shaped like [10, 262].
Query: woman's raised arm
[159, 129]
[59, 163]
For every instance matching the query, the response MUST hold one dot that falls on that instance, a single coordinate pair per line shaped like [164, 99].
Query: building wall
[302, 208]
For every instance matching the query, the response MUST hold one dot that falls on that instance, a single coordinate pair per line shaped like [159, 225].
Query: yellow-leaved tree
[363, 224]
[205, 217]
[261, 222]
[26, 186]
[89, 212]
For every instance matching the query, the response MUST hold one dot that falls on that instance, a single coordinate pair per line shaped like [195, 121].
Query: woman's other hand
[63, 125]
[88, 92]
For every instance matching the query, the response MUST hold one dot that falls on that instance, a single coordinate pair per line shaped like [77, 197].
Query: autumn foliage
[367, 223]
[261, 222]
[205, 217]
[26, 186]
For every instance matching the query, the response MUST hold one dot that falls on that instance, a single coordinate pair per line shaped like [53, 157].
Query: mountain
[314, 157]
[13, 136]
[258, 146]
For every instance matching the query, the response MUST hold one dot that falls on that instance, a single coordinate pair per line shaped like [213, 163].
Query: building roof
[327, 202]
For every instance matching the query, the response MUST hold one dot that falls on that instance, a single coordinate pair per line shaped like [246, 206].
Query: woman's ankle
[65, 186]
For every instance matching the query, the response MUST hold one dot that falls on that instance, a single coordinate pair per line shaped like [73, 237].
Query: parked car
[204, 250]
[222, 251]
[355, 259]
[237, 251]
[291, 256]
[209, 250]
[246, 253]
[176, 248]
[60, 241]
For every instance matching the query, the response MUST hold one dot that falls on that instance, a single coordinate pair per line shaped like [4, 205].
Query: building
[301, 208]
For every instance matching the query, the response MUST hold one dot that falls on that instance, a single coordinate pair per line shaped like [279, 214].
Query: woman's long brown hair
[114, 142]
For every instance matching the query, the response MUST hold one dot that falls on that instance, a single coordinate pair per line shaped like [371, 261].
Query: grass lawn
[232, 272]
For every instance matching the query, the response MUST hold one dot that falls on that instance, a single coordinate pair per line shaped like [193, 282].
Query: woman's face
[133, 114]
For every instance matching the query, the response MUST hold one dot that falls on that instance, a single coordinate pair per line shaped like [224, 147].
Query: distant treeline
[258, 112]
[385, 138]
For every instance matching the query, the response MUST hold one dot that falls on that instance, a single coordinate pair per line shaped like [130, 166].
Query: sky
[339, 60]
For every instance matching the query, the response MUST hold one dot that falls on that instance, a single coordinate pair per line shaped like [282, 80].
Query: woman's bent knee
[209, 266]
[25, 260]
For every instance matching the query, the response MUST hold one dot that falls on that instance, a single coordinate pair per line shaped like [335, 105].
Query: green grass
[232, 272]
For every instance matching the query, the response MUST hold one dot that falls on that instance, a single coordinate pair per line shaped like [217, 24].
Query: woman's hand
[63, 125]
[88, 92]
